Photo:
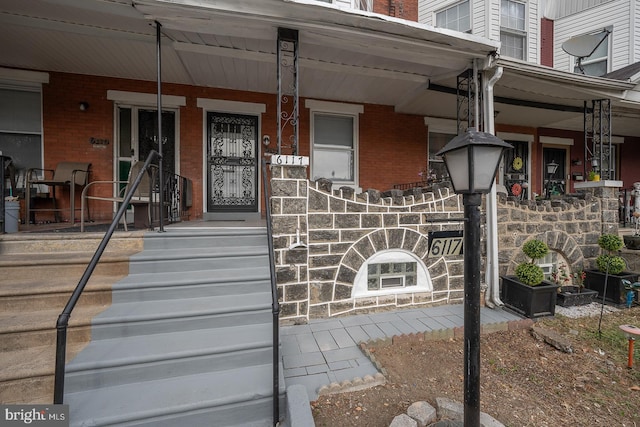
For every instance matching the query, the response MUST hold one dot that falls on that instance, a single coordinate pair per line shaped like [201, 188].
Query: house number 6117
[280, 159]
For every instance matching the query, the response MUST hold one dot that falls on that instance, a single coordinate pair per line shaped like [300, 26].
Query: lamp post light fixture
[472, 161]
[552, 167]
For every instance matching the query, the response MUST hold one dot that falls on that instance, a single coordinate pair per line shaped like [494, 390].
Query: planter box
[616, 293]
[570, 297]
[530, 301]
[631, 242]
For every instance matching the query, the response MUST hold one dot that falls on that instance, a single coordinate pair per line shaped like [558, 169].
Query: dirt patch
[524, 381]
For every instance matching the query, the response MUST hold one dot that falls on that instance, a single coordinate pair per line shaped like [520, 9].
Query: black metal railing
[63, 320]
[275, 305]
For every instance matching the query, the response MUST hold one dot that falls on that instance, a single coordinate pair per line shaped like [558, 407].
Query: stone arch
[368, 245]
[558, 241]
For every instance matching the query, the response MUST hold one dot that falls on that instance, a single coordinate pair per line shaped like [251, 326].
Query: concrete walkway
[326, 351]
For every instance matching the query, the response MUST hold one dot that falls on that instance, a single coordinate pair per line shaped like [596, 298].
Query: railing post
[275, 305]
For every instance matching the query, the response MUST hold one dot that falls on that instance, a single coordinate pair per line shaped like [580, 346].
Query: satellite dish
[584, 46]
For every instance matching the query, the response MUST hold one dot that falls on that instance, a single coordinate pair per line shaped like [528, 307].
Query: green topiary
[530, 273]
[614, 264]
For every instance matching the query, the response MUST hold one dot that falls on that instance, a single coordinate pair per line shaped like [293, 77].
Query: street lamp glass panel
[485, 163]
[457, 162]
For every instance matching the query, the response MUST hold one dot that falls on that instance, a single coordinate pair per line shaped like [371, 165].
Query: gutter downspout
[492, 295]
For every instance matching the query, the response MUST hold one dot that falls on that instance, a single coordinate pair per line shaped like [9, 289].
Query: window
[334, 141]
[513, 35]
[21, 126]
[393, 271]
[455, 18]
[366, 5]
[437, 170]
[391, 275]
[595, 64]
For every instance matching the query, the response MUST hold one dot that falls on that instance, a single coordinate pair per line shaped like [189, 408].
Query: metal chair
[141, 197]
[66, 175]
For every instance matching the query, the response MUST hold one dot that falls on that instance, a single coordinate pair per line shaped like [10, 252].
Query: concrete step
[186, 260]
[112, 362]
[160, 316]
[234, 397]
[36, 266]
[19, 331]
[42, 243]
[198, 238]
[26, 376]
[30, 294]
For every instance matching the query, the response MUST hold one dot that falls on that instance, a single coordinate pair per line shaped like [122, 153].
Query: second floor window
[513, 35]
[455, 18]
[595, 64]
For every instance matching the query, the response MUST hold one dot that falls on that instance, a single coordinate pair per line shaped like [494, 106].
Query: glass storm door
[232, 165]
[516, 174]
[554, 182]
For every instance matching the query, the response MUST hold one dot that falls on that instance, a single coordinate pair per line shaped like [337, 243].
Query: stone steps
[39, 273]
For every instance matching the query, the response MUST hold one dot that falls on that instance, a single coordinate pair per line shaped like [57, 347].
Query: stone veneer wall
[342, 230]
[570, 225]
[339, 231]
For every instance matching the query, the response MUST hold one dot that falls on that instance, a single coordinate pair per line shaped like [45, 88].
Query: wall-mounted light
[84, 106]
[266, 140]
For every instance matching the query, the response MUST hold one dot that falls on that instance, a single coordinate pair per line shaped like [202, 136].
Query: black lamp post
[472, 161]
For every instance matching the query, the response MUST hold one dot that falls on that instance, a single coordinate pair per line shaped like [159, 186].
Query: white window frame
[515, 32]
[337, 109]
[423, 280]
[589, 60]
[27, 81]
[457, 21]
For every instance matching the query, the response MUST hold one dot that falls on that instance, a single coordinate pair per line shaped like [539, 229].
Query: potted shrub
[527, 292]
[593, 175]
[610, 266]
[571, 290]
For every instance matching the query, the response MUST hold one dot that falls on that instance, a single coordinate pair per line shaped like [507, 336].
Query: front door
[232, 163]
[516, 174]
[554, 171]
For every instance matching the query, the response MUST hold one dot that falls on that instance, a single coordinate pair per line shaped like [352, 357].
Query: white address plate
[280, 159]
[445, 243]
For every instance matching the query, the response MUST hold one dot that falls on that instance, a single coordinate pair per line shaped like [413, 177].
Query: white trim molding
[334, 107]
[525, 137]
[224, 106]
[439, 125]
[554, 140]
[23, 77]
[139, 98]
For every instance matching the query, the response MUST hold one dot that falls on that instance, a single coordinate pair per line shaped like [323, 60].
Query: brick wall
[67, 130]
[405, 9]
[546, 42]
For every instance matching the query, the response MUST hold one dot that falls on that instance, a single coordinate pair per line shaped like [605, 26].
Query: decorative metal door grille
[232, 163]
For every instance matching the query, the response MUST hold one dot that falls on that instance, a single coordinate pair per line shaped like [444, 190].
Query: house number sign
[445, 243]
[280, 159]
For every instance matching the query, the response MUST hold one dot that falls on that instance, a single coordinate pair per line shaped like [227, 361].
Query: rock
[449, 409]
[552, 338]
[452, 410]
[423, 413]
[403, 420]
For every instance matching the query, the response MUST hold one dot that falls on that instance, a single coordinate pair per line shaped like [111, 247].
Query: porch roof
[358, 56]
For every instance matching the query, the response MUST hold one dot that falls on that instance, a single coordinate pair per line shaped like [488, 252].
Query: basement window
[391, 272]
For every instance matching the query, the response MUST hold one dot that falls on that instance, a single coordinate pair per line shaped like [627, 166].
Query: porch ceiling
[345, 56]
